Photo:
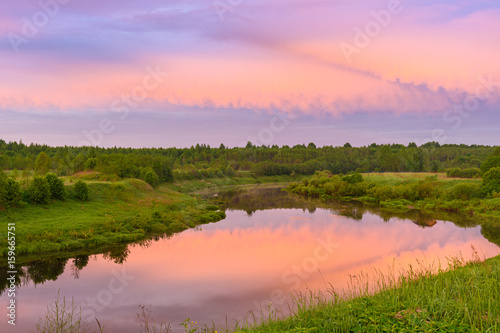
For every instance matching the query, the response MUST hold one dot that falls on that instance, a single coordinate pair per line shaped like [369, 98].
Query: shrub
[56, 186]
[353, 179]
[471, 173]
[453, 173]
[425, 189]
[463, 191]
[42, 163]
[81, 190]
[466, 173]
[382, 193]
[151, 178]
[493, 175]
[39, 190]
[491, 182]
[163, 172]
[10, 193]
[491, 162]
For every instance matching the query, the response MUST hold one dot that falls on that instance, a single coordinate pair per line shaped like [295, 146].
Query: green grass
[213, 185]
[397, 178]
[464, 298]
[117, 212]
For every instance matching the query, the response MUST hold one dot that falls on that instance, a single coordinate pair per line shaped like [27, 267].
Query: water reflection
[236, 265]
[40, 271]
[253, 199]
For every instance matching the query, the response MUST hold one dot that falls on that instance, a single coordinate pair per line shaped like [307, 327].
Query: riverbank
[117, 212]
[404, 192]
[463, 298]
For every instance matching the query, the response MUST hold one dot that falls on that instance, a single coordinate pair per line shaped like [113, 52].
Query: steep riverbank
[117, 212]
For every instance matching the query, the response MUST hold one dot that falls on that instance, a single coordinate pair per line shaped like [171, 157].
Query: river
[269, 245]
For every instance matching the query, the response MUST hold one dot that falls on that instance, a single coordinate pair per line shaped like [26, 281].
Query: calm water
[223, 270]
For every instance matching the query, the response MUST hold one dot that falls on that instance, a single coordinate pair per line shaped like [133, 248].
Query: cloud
[283, 54]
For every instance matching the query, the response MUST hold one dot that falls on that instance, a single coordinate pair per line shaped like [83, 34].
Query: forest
[26, 164]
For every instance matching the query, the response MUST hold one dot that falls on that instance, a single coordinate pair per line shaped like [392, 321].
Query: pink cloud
[261, 56]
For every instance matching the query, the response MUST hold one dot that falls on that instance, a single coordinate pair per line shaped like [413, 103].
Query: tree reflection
[271, 197]
[41, 271]
[4, 283]
[79, 263]
[118, 255]
[491, 232]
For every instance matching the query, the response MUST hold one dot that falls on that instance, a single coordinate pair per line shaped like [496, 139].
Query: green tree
[13, 197]
[435, 166]
[151, 178]
[42, 163]
[81, 190]
[56, 186]
[492, 162]
[387, 158]
[3, 190]
[311, 145]
[91, 163]
[491, 182]
[39, 190]
[78, 163]
[25, 179]
[163, 172]
[492, 176]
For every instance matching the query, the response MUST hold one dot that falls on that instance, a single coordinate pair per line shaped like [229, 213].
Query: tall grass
[62, 317]
[464, 297]
[424, 298]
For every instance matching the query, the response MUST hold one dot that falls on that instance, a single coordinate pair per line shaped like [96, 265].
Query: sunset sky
[176, 73]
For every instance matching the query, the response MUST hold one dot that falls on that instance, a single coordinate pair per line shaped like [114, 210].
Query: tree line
[202, 161]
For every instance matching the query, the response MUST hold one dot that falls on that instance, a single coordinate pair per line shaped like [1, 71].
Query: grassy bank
[401, 192]
[117, 212]
[464, 298]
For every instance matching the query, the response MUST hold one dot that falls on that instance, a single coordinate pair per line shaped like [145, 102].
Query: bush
[39, 190]
[463, 191]
[10, 193]
[491, 162]
[151, 178]
[382, 193]
[56, 186]
[81, 190]
[425, 189]
[466, 173]
[491, 182]
[353, 179]
[163, 172]
[471, 173]
[492, 176]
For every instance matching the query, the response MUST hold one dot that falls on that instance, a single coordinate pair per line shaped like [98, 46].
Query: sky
[162, 74]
